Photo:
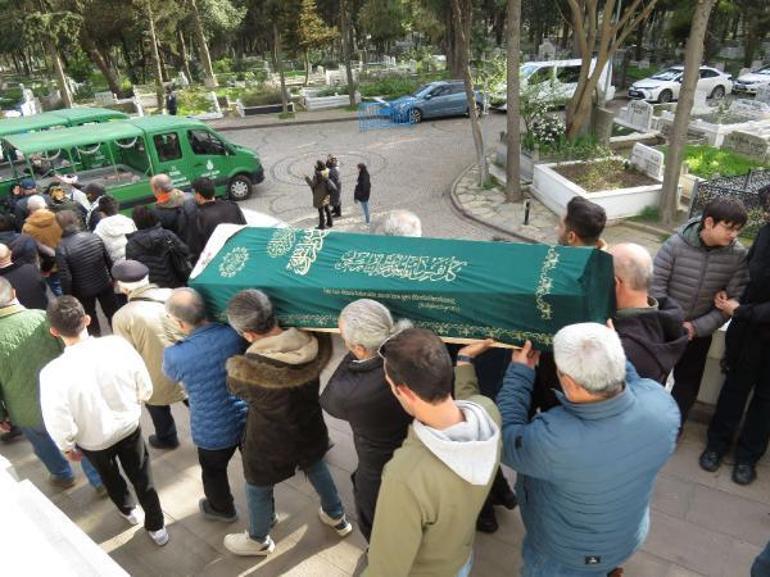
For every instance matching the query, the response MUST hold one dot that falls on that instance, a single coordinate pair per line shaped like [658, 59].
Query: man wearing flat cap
[142, 322]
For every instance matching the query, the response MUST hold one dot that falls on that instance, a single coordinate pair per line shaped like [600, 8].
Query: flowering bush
[547, 130]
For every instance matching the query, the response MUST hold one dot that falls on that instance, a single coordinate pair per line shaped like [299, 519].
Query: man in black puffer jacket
[650, 329]
[154, 247]
[84, 269]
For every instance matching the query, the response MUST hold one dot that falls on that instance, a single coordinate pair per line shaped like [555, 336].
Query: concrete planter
[325, 102]
[555, 191]
[264, 109]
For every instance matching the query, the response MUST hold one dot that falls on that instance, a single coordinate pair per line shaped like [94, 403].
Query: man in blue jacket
[585, 469]
[216, 416]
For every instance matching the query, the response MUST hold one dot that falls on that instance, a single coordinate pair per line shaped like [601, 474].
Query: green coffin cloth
[458, 288]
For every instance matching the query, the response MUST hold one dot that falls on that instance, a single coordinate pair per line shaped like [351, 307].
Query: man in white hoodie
[91, 398]
[436, 483]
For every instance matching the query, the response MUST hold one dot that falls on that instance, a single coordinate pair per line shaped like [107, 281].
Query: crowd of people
[326, 186]
[586, 427]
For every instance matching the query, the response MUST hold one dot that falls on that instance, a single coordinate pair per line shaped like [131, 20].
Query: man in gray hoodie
[701, 259]
[436, 483]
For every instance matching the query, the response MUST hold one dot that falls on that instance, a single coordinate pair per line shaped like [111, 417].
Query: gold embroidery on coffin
[402, 266]
[545, 284]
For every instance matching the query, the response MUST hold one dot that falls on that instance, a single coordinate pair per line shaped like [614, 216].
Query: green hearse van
[123, 155]
[54, 119]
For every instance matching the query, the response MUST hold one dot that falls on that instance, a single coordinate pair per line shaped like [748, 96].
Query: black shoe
[710, 460]
[507, 499]
[487, 521]
[158, 444]
[210, 513]
[11, 435]
[329, 224]
[744, 473]
[320, 228]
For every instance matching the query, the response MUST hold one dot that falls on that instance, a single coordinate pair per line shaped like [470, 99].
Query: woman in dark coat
[359, 394]
[323, 189]
[159, 249]
[363, 189]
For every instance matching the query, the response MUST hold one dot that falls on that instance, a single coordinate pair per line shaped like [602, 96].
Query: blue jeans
[47, 451]
[365, 207]
[761, 566]
[538, 565]
[54, 283]
[262, 505]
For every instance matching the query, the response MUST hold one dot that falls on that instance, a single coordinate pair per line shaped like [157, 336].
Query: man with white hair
[650, 329]
[143, 323]
[358, 393]
[399, 223]
[585, 469]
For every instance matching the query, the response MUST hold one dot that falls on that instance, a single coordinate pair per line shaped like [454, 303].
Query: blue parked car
[436, 99]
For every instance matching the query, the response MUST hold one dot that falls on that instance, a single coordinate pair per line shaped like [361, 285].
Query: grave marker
[763, 94]
[752, 144]
[636, 115]
[648, 160]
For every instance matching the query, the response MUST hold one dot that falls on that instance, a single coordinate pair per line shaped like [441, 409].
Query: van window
[540, 75]
[203, 142]
[167, 146]
[568, 74]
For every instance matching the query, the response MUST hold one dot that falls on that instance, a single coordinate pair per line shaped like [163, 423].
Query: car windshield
[422, 91]
[669, 74]
[528, 69]
[764, 70]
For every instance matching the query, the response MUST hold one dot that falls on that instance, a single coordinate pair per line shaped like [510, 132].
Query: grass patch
[649, 214]
[490, 183]
[285, 115]
[708, 162]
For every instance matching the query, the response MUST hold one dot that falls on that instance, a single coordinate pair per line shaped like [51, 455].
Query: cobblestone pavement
[703, 525]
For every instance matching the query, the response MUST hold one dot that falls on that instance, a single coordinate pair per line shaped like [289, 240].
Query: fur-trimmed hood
[272, 363]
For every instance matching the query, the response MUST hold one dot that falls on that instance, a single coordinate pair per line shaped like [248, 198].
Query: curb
[649, 228]
[281, 123]
[470, 216]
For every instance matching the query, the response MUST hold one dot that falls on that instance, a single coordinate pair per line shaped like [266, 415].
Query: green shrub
[223, 65]
[193, 101]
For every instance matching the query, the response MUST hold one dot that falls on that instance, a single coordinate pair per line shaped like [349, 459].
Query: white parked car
[749, 82]
[556, 80]
[664, 86]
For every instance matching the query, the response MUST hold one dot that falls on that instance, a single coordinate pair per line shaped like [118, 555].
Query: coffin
[458, 288]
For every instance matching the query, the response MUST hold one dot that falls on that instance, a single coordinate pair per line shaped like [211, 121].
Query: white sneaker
[135, 517]
[242, 544]
[160, 536]
[342, 526]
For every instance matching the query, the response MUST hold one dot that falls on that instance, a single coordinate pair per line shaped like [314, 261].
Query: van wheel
[665, 97]
[415, 116]
[240, 187]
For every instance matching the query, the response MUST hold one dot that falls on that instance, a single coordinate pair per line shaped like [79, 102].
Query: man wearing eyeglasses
[436, 483]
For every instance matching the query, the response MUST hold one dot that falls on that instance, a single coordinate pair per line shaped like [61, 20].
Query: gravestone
[637, 115]
[699, 104]
[644, 63]
[104, 98]
[751, 108]
[648, 160]
[546, 51]
[756, 64]
[754, 144]
[763, 94]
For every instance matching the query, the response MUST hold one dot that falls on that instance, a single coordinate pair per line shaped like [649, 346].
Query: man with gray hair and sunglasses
[358, 393]
[585, 469]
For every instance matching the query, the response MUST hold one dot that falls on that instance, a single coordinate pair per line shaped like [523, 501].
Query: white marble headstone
[752, 108]
[648, 160]
[637, 115]
[763, 94]
[104, 98]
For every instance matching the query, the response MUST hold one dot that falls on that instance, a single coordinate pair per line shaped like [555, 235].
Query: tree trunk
[279, 60]
[345, 29]
[751, 40]
[104, 67]
[163, 68]
[61, 79]
[464, 52]
[512, 168]
[639, 49]
[203, 47]
[155, 58]
[185, 57]
[692, 61]
[307, 67]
